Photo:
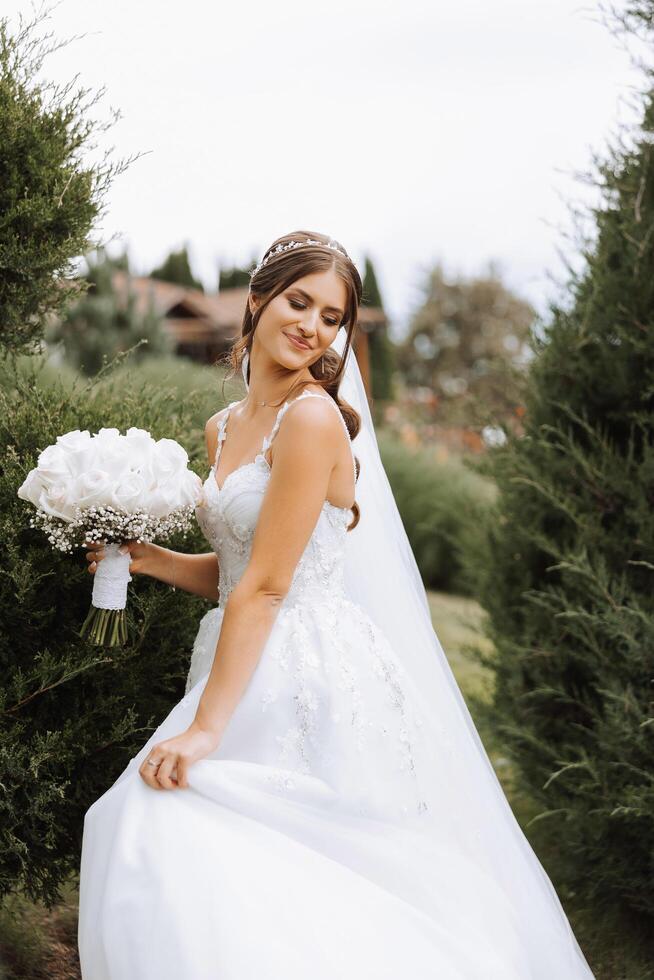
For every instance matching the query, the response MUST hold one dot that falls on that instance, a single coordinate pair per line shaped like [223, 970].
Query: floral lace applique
[332, 694]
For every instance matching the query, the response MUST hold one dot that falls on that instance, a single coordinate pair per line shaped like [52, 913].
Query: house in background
[205, 325]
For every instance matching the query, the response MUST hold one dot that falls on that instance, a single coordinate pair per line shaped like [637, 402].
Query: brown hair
[279, 272]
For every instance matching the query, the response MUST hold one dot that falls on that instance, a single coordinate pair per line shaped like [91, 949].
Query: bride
[319, 805]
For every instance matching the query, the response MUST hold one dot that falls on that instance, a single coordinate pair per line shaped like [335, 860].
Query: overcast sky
[411, 130]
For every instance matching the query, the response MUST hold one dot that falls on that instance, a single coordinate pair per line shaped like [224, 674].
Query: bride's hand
[175, 755]
[138, 550]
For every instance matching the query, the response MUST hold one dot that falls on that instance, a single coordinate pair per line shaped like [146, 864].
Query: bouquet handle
[105, 623]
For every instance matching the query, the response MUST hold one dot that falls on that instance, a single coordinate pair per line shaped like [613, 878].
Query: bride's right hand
[139, 551]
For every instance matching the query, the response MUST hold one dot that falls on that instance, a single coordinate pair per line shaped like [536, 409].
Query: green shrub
[73, 715]
[570, 589]
[203, 384]
[441, 505]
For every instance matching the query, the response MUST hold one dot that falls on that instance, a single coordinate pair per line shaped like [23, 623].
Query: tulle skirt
[304, 847]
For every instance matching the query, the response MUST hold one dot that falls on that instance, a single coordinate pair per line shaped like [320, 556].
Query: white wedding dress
[301, 848]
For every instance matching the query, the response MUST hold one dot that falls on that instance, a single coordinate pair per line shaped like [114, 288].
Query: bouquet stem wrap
[106, 620]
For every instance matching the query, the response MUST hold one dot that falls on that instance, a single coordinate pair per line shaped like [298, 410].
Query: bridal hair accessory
[383, 579]
[293, 244]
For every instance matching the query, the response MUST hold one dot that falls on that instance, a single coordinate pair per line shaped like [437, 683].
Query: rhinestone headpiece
[285, 247]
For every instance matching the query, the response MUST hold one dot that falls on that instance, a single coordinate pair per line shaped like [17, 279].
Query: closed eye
[300, 306]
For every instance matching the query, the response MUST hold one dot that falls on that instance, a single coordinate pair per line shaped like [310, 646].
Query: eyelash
[299, 306]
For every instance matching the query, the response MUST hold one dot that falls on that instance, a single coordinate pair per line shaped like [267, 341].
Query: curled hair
[279, 272]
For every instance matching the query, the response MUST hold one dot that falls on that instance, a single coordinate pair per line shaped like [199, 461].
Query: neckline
[222, 435]
[243, 466]
[253, 462]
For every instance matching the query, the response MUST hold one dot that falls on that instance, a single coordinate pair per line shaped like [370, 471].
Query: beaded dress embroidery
[311, 701]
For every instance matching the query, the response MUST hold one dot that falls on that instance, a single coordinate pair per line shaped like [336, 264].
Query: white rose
[161, 501]
[73, 440]
[31, 487]
[181, 491]
[146, 471]
[116, 465]
[83, 458]
[139, 458]
[107, 437]
[92, 488]
[190, 489]
[129, 494]
[169, 460]
[53, 464]
[56, 501]
[140, 440]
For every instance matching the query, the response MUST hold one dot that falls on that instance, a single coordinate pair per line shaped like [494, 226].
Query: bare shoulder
[212, 423]
[312, 420]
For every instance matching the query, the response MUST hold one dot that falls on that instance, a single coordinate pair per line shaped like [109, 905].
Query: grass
[35, 943]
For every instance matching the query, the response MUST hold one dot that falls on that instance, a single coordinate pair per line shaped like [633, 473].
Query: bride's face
[311, 309]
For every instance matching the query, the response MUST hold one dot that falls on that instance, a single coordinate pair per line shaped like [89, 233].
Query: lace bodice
[329, 686]
[228, 518]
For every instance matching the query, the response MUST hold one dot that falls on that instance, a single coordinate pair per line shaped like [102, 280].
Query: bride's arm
[197, 574]
[306, 451]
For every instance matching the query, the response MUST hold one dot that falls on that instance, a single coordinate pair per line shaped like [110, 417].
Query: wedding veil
[467, 811]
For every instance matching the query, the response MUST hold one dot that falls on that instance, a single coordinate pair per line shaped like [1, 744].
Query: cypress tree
[569, 584]
[233, 277]
[381, 347]
[177, 268]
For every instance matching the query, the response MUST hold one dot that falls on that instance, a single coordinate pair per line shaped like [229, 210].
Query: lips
[297, 342]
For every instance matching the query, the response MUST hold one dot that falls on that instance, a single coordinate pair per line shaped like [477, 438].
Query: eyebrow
[310, 298]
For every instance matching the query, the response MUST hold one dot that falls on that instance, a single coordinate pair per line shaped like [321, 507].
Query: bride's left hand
[175, 755]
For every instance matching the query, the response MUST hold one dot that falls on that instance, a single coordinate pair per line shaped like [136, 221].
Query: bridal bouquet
[113, 488]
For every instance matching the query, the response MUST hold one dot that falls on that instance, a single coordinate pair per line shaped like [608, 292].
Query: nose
[308, 325]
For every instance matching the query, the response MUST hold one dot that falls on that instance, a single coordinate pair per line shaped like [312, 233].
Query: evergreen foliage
[177, 268]
[379, 343]
[569, 583]
[72, 715]
[443, 507]
[235, 278]
[49, 197]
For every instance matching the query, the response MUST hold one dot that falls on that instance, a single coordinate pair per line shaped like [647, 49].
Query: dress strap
[304, 394]
[222, 433]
